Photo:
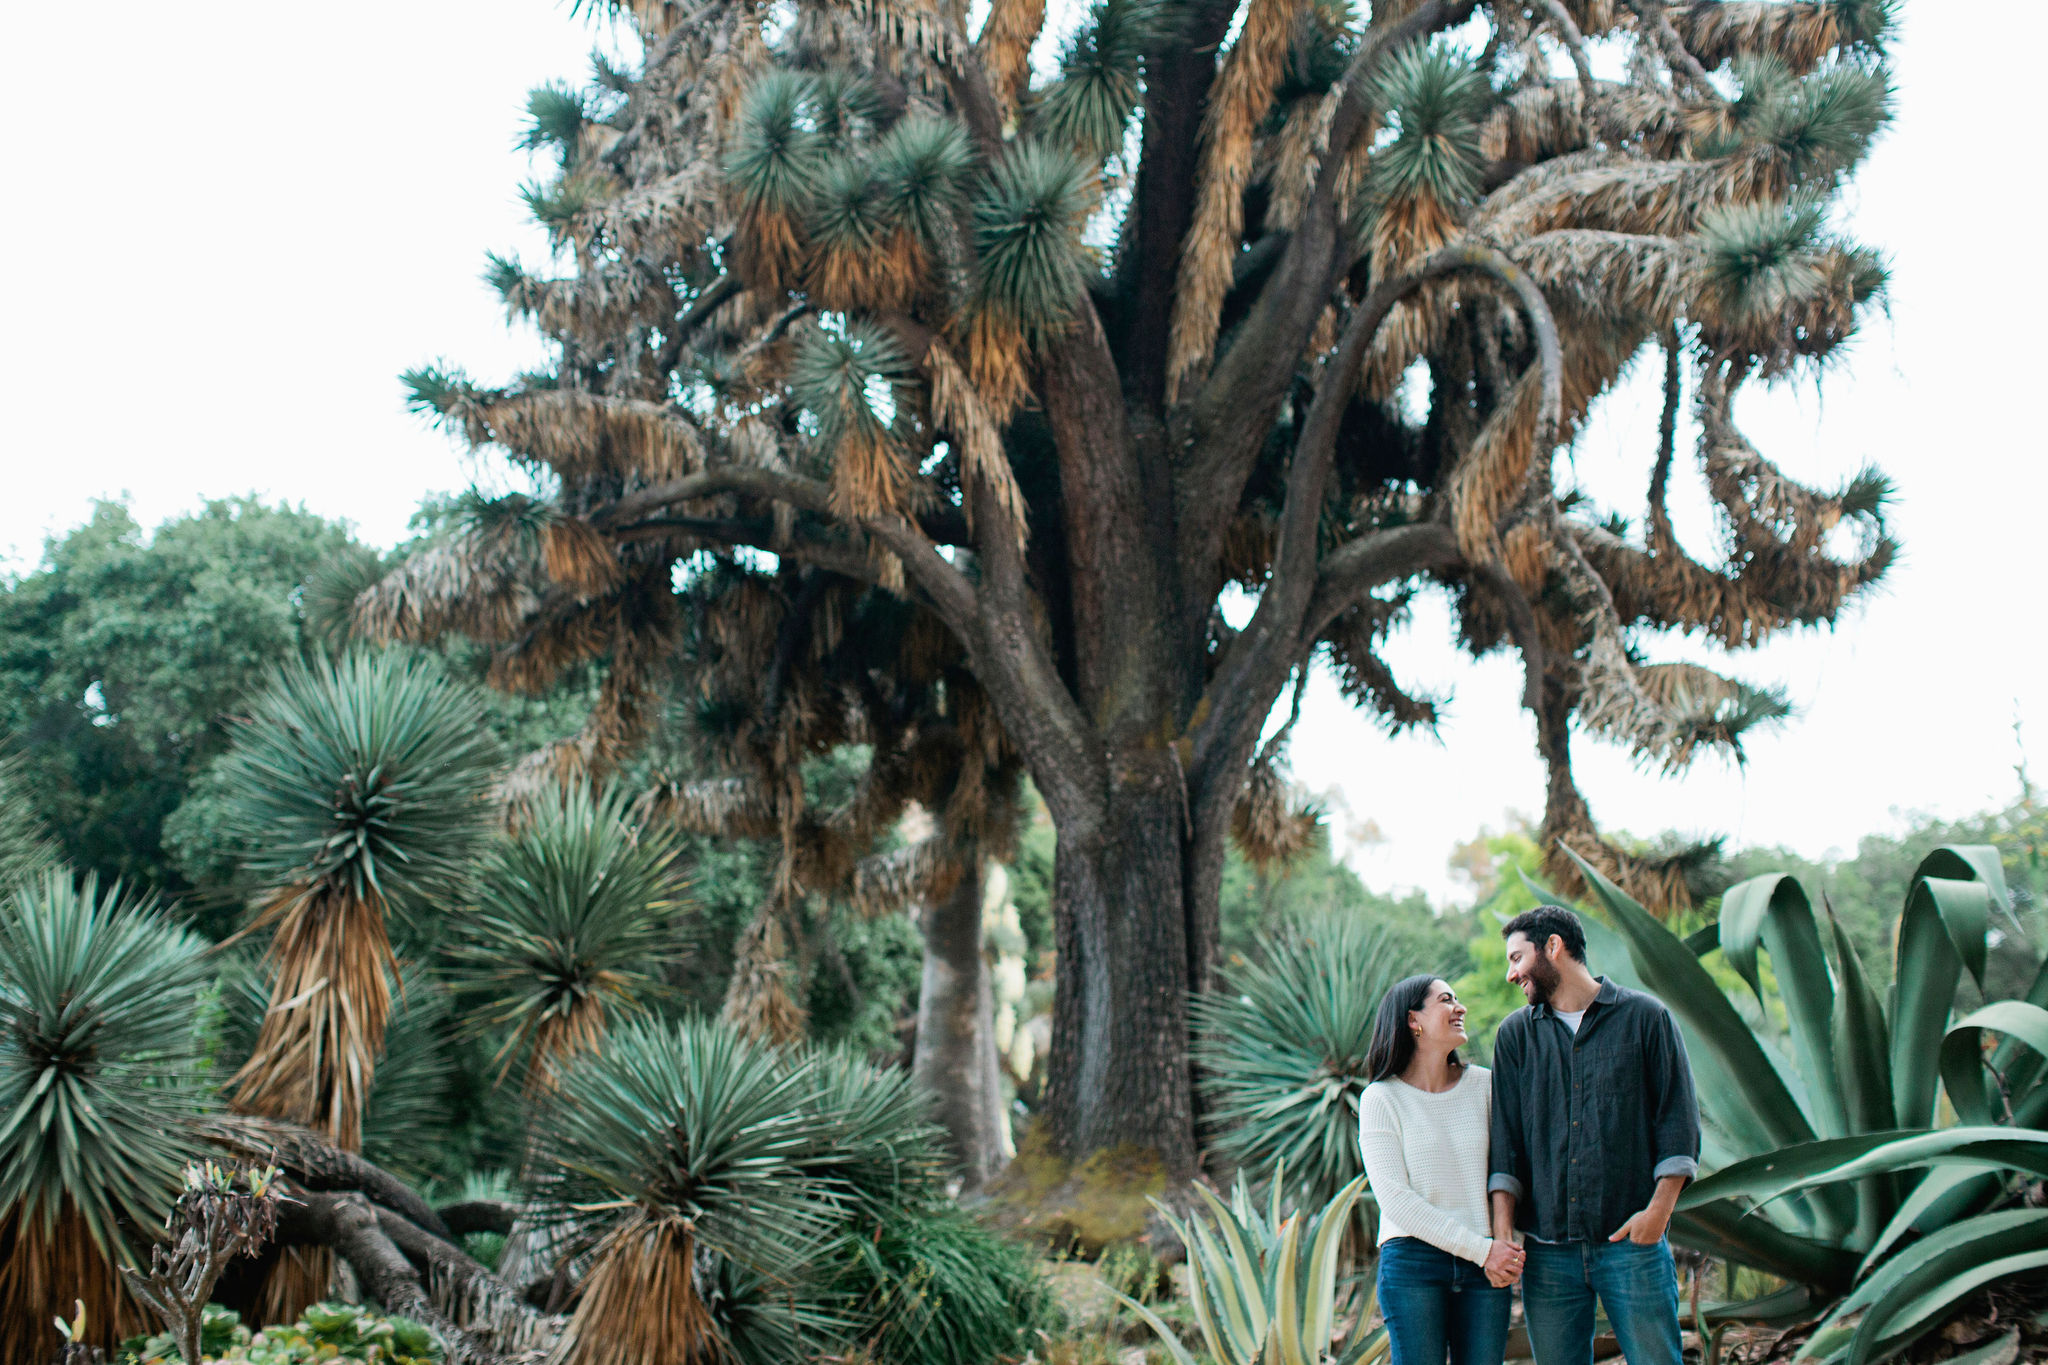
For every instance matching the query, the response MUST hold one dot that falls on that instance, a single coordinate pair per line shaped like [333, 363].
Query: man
[1595, 1132]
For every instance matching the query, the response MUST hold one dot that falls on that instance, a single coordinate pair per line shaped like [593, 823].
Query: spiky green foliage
[555, 116]
[777, 152]
[1264, 1284]
[25, 846]
[1101, 70]
[874, 1143]
[365, 775]
[936, 1286]
[557, 204]
[844, 108]
[573, 922]
[1028, 220]
[430, 390]
[922, 165]
[842, 377]
[1282, 1048]
[691, 1121]
[1825, 1162]
[1761, 258]
[329, 596]
[97, 1085]
[1435, 98]
[847, 211]
[1824, 125]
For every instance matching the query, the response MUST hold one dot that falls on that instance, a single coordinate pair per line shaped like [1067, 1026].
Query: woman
[1444, 1284]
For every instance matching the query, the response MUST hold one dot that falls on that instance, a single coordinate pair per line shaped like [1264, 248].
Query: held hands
[1503, 1263]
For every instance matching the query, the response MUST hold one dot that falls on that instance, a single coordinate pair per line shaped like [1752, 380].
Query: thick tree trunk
[1119, 1066]
[955, 1057]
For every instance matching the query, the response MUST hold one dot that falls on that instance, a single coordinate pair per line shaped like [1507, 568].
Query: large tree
[1251, 294]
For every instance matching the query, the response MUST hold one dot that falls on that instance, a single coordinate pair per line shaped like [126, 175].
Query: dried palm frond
[1237, 105]
[959, 409]
[860, 256]
[758, 999]
[920, 873]
[1798, 32]
[578, 557]
[1271, 824]
[724, 808]
[1536, 123]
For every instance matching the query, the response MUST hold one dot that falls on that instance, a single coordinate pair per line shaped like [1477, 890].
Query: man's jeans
[1436, 1303]
[1638, 1286]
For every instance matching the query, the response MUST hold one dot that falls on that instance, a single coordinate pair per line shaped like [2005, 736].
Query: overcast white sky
[228, 235]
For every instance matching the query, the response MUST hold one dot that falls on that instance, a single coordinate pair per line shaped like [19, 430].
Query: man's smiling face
[1530, 969]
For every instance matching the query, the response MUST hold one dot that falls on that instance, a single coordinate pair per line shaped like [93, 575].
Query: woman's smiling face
[1440, 1023]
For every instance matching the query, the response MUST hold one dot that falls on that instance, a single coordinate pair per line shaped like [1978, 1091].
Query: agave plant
[358, 788]
[97, 1097]
[571, 925]
[1834, 1168]
[1264, 1288]
[1282, 1046]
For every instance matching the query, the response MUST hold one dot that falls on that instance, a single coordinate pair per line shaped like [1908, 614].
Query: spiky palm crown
[358, 785]
[361, 777]
[573, 921]
[99, 1088]
[716, 390]
[718, 1166]
[1283, 1047]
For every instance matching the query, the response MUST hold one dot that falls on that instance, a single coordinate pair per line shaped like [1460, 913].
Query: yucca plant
[1282, 1050]
[933, 1285]
[571, 927]
[693, 1142]
[1264, 1287]
[97, 1097]
[1836, 1167]
[358, 787]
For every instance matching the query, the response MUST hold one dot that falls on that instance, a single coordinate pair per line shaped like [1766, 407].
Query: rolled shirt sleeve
[1675, 1109]
[1507, 1164]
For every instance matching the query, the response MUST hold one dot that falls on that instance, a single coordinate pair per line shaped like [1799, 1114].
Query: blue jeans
[1638, 1286]
[1436, 1303]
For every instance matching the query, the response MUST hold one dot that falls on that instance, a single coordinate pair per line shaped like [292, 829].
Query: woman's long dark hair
[1393, 1045]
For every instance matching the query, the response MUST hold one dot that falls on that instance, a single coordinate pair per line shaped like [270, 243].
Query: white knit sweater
[1426, 1156]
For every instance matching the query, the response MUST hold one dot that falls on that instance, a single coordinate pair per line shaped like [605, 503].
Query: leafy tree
[121, 652]
[829, 291]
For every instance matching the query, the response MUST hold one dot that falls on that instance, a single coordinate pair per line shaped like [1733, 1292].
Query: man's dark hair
[1539, 924]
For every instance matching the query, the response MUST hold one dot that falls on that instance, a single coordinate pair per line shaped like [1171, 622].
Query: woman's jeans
[1437, 1304]
[1638, 1286]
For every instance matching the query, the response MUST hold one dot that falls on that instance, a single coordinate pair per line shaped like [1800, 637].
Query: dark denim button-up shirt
[1585, 1125]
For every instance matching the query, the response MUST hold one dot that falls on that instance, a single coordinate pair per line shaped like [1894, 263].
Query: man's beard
[1542, 977]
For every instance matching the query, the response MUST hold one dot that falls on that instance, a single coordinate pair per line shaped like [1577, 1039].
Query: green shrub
[934, 1286]
[324, 1332]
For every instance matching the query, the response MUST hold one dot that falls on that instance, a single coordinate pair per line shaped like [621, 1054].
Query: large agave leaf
[1943, 929]
[1671, 972]
[1830, 1160]
[1724, 1230]
[1772, 911]
[1891, 1298]
[1864, 1078]
[1962, 1054]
